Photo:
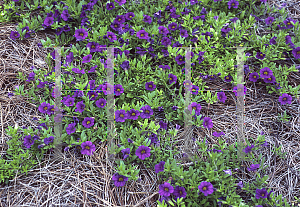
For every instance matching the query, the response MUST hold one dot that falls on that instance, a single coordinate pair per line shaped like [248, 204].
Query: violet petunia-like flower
[269, 20]
[266, 72]
[253, 167]
[80, 34]
[248, 149]
[159, 167]
[228, 78]
[146, 113]
[87, 148]
[133, 114]
[125, 152]
[261, 193]
[14, 35]
[296, 53]
[120, 2]
[207, 122]
[110, 6]
[121, 115]
[119, 180]
[87, 58]
[260, 55]
[172, 78]
[166, 189]
[143, 152]
[48, 140]
[118, 89]
[216, 134]
[179, 192]
[222, 97]
[196, 107]
[233, 4]
[253, 77]
[142, 34]
[101, 103]
[28, 141]
[88, 122]
[206, 188]
[228, 172]
[71, 128]
[285, 98]
[150, 86]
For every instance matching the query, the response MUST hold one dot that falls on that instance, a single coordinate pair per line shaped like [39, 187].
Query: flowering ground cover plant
[149, 79]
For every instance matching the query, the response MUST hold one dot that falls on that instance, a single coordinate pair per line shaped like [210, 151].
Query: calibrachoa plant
[149, 81]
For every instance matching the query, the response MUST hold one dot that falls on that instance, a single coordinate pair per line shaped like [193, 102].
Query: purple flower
[206, 188]
[120, 2]
[172, 78]
[261, 193]
[273, 40]
[269, 20]
[260, 55]
[285, 98]
[118, 89]
[253, 77]
[142, 34]
[147, 19]
[296, 52]
[133, 114]
[159, 167]
[166, 189]
[120, 115]
[101, 103]
[71, 128]
[92, 95]
[143, 152]
[70, 102]
[228, 172]
[125, 152]
[150, 86]
[236, 90]
[130, 140]
[179, 192]
[80, 34]
[87, 59]
[28, 141]
[240, 184]
[146, 113]
[48, 21]
[110, 6]
[65, 15]
[120, 180]
[30, 77]
[50, 110]
[14, 35]
[248, 149]
[93, 46]
[174, 108]
[207, 122]
[44, 107]
[87, 148]
[111, 36]
[216, 134]
[163, 125]
[196, 107]
[195, 89]
[271, 79]
[129, 16]
[233, 4]
[266, 72]
[222, 97]
[228, 78]
[253, 167]
[88, 122]
[288, 23]
[180, 60]
[48, 140]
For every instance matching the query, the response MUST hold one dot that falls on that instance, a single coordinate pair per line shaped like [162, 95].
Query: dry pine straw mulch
[86, 181]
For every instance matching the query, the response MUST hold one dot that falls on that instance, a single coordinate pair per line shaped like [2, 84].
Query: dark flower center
[58, 30]
[81, 34]
[30, 141]
[133, 114]
[121, 115]
[88, 122]
[167, 189]
[261, 54]
[52, 109]
[180, 192]
[232, 4]
[204, 188]
[120, 179]
[45, 108]
[269, 79]
[262, 194]
[180, 59]
[194, 108]
[142, 35]
[298, 52]
[284, 99]
[227, 78]
[109, 36]
[173, 27]
[143, 152]
[254, 76]
[70, 102]
[16, 34]
[150, 86]
[118, 89]
[266, 73]
[87, 147]
[101, 104]
[110, 6]
[147, 111]
[288, 23]
[93, 46]
[130, 16]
